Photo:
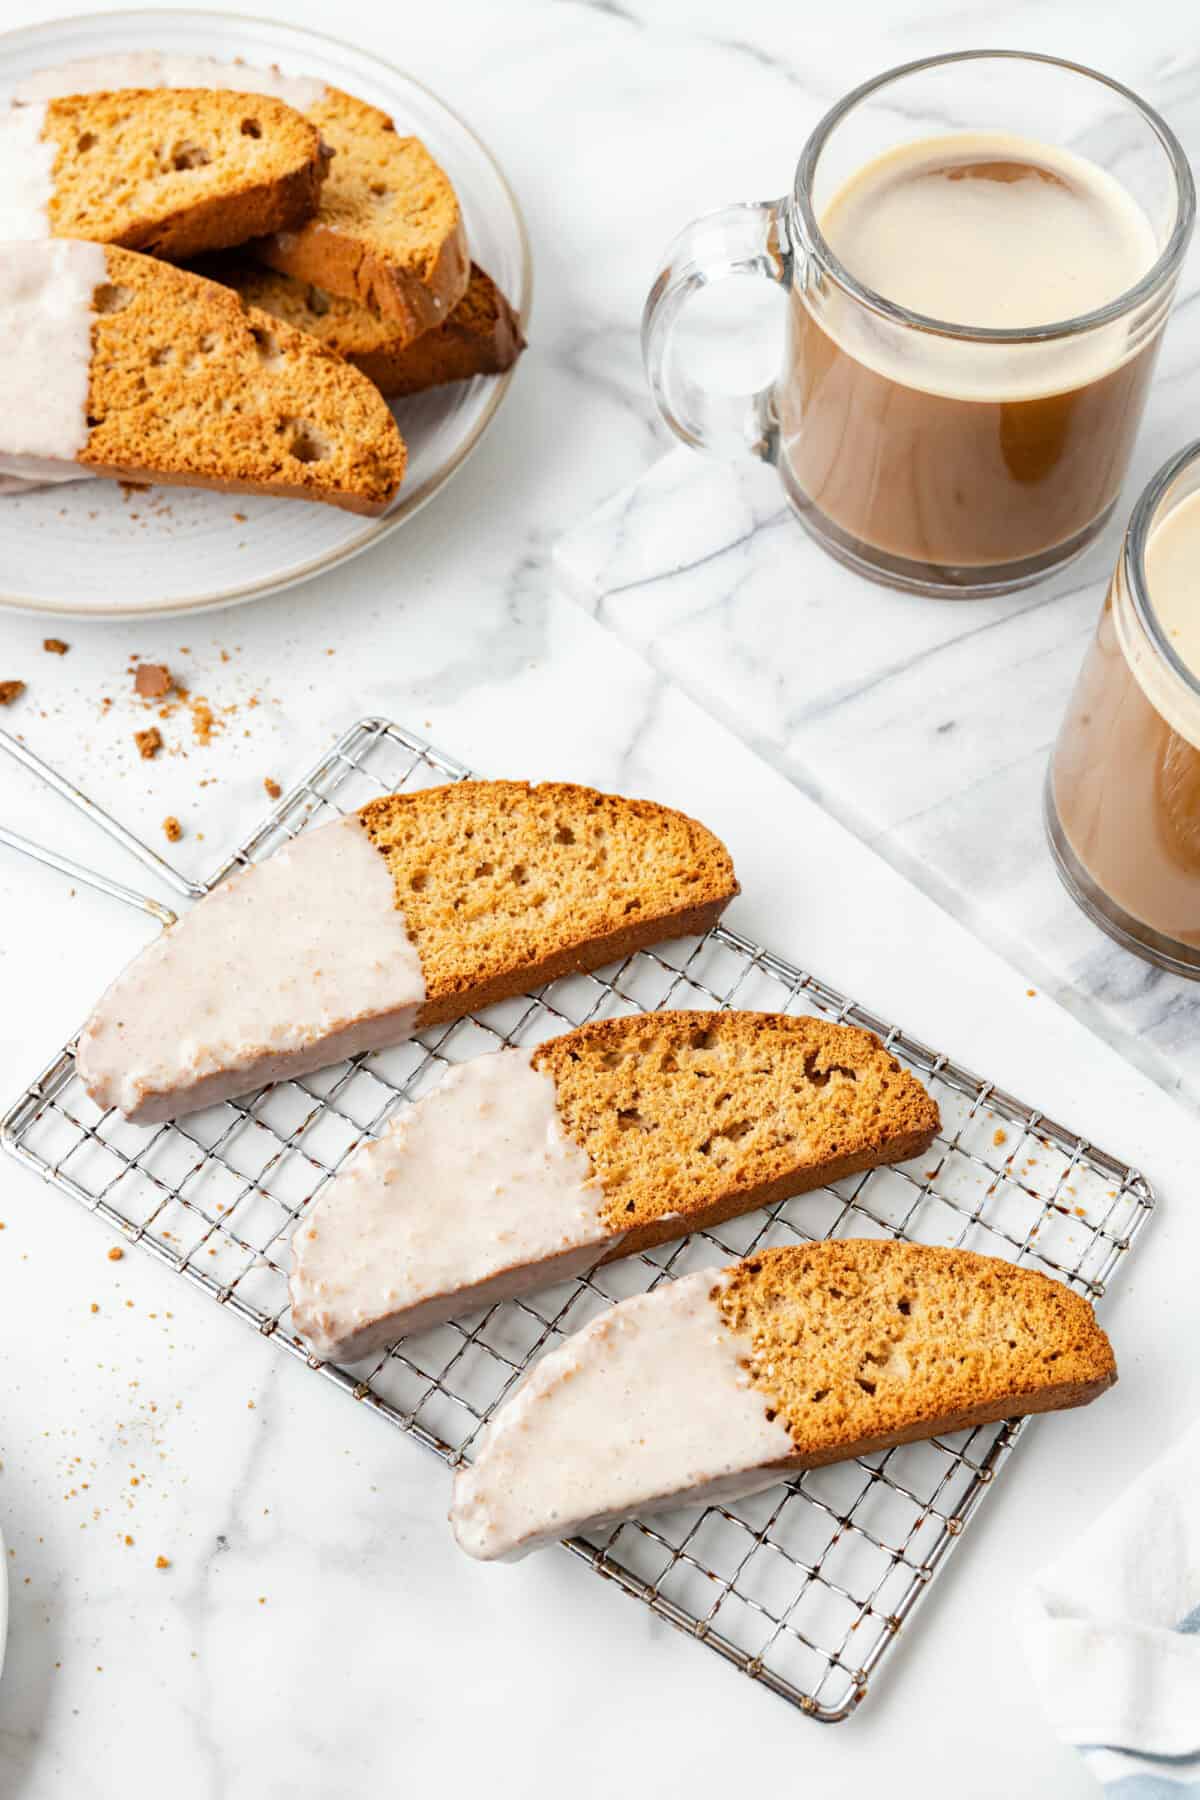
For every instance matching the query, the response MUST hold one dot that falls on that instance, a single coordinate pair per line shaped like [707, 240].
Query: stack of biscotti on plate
[382, 273]
[378, 269]
[344, 272]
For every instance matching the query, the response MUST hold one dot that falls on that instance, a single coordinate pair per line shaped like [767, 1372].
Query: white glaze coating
[46, 294]
[288, 966]
[474, 1196]
[26, 174]
[648, 1407]
[153, 69]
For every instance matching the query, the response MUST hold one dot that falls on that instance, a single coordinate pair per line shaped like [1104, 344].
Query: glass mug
[941, 458]
[1123, 788]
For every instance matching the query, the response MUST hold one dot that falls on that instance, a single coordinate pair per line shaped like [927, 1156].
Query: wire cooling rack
[804, 1588]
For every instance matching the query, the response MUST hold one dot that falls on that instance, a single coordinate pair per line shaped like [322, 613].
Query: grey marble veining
[924, 725]
[316, 1635]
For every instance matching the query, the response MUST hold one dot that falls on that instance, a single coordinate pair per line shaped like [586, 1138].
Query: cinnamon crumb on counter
[10, 691]
[116, 1253]
[272, 786]
[152, 680]
[203, 720]
[149, 742]
[173, 828]
[55, 646]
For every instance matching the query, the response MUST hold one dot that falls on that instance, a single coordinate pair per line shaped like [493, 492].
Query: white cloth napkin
[1112, 1632]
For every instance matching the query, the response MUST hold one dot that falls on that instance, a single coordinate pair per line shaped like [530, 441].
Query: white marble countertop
[316, 1633]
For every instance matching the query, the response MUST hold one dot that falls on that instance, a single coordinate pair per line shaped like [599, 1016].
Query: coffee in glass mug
[1123, 790]
[974, 314]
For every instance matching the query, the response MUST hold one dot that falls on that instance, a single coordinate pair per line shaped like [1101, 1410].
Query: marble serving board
[923, 725]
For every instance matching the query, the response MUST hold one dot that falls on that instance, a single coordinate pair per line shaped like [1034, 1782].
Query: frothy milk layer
[154, 69]
[46, 302]
[1172, 569]
[1173, 578]
[286, 967]
[475, 1195]
[649, 1406]
[993, 231]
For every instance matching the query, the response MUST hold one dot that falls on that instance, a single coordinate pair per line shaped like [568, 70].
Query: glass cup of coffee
[980, 253]
[1123, 788]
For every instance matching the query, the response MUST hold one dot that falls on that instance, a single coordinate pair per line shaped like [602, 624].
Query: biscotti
[129, 367]
[415, 910]
[482, 336]
[171, 173]
[388, 232]
[616, 1137]
[724, 1382]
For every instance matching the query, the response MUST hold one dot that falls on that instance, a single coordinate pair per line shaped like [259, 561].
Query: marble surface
[315, 1633]
[924, 725]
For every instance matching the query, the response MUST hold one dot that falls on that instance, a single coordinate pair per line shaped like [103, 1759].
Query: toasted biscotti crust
[693, 1118]
[482, 336]
[189, 386]
[504, 886]
[176, 172]
[863, 1343]
[389, 232]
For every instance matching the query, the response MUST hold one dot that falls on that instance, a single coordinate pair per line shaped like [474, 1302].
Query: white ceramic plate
[90, 549]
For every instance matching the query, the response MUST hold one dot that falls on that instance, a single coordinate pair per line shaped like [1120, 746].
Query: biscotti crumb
[173, 828]
[10, 691]
[999, 1136]
[162, 1562]
[204, 721]
[55, 646]
[149, 742]
[116, 1253]
[153, 680]
[272, 786]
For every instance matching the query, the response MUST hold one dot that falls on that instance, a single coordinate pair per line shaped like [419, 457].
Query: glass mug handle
[750, 238]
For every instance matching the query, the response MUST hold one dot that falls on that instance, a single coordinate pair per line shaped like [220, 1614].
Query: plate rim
[376, 529]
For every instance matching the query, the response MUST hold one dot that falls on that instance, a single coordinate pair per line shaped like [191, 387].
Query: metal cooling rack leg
[89, 877]
[113, 827]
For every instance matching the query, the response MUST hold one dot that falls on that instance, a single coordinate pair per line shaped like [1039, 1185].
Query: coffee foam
[1033, 235]
[1173, 579]
[1172, 575]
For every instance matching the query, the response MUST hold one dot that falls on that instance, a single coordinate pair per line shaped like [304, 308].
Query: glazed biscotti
[616, 1137]
[128, 367]
[171, 173]
[388, 231]
[415, 910]
[482, 336]
[724, 1382]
